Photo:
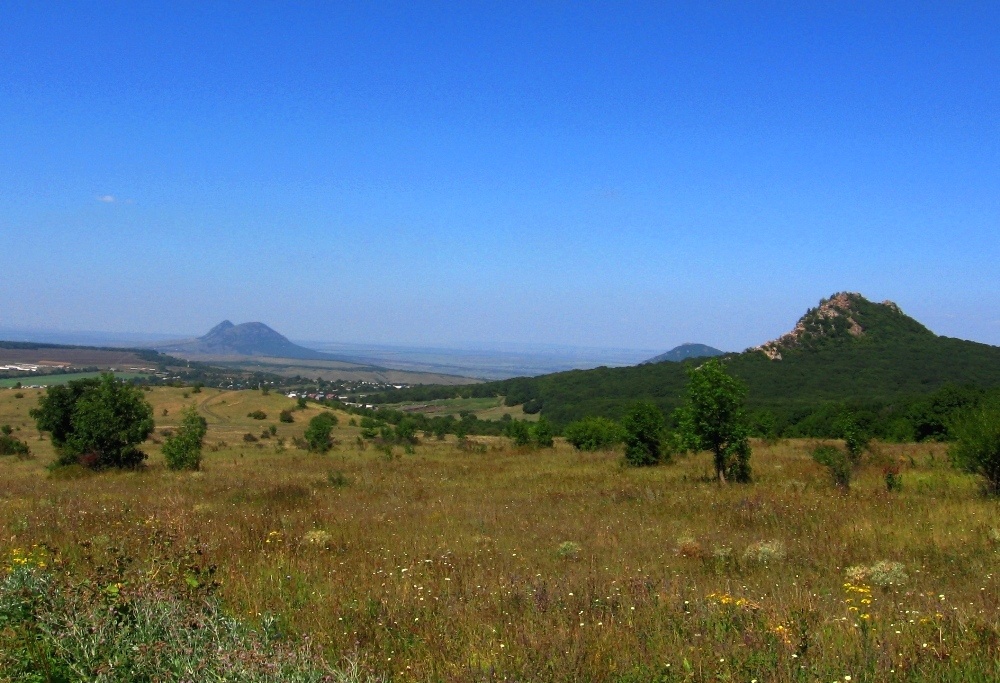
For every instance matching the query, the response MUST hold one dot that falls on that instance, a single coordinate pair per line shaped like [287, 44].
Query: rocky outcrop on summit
[844, 317]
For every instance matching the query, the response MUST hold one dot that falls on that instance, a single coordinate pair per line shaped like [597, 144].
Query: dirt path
[203, 406]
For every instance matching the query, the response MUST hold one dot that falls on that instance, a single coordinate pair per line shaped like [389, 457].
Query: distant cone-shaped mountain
[683, 352]
[248, 339]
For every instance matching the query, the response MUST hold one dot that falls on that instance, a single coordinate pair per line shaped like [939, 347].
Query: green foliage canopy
[713, 419]
[593, 434]
[542, 434]
[182, 450]
[643, 434]
[318, 432]
[98, 423]
[977, 448]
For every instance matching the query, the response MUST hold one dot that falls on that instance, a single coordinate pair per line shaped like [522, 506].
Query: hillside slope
[846, 350]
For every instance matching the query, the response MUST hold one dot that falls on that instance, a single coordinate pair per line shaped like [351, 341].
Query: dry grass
[449, 565]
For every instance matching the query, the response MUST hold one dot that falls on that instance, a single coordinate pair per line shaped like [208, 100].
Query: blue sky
[595, 174]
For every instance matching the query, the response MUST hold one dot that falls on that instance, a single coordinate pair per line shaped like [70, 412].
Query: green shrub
[370, 427]
[541, 434]
[977, 446]
[838, 462]
[643, 430]
[11, 445]
[182, 450]
[286, 416]
[594, 434]
[258, 415]
[518, 432]
[406, 431]
[318, 432]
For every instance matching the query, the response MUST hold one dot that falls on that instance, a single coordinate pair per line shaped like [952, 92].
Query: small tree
[541, 434]
[713, 419]
[97, 423]
[643, 435]
[182, 450]
[977, 446]
[318, 432]
[406, 431]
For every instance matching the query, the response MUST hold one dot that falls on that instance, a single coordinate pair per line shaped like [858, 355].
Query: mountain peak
[683, 352]
[246, 339]
[845, 317]
[219, 329]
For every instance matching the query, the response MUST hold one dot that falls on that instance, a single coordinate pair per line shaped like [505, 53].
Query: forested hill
[848, 350]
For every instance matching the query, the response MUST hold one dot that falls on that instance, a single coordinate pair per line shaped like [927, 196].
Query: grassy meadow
[486, 562]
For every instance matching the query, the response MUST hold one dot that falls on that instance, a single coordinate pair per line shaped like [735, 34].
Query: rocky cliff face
[844, 317]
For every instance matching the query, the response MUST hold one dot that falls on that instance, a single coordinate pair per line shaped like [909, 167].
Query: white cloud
[106, 198]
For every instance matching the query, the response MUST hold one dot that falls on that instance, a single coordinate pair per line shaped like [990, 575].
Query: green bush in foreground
[55, 629]
[182, 450]
[593, 434]
[977, 448]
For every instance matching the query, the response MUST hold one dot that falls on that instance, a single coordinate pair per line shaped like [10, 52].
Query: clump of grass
[764, 552]
[688, 546]
[337, 479]
[883, 573]
[568, 550]
[58, 628]
[289, 495]
[722, 554]
[317, 538]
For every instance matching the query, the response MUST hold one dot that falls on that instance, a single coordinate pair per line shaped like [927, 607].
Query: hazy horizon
[630, 176]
